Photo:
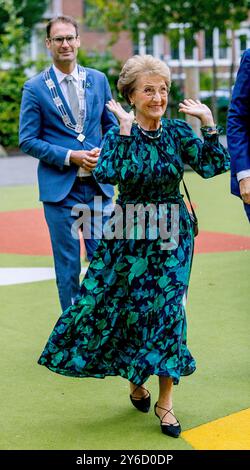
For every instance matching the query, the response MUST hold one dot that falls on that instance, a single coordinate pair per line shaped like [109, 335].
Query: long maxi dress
[129, 319]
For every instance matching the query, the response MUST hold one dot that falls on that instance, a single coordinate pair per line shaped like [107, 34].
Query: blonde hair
[137, 65]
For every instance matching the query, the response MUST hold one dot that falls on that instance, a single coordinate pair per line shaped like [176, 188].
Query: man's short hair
[62, 19]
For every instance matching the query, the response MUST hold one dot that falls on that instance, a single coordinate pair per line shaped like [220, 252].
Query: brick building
[208, 56]
[91, 40]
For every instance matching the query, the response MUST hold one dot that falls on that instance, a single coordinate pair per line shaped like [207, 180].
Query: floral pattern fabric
[129, 319]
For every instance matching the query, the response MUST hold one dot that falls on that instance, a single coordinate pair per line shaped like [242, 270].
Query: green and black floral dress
[129, 319]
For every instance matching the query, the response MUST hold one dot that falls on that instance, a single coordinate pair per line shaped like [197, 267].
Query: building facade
[215, 56]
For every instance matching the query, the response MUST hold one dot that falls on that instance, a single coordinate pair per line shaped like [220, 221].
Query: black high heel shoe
[142, 404]
[172, 430]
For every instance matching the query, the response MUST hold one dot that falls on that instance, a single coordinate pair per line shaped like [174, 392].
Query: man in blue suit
[63, 120]
[238, 133]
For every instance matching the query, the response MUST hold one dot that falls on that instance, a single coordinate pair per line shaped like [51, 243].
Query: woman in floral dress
[130, 317]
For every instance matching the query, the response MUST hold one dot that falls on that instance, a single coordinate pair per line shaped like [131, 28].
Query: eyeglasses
[150, 91]
[59, 40]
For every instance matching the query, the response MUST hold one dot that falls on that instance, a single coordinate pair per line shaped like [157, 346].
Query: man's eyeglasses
[59, 40]
[150, 91]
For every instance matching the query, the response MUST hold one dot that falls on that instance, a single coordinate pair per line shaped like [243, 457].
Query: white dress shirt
[63, 85]
[243, 174]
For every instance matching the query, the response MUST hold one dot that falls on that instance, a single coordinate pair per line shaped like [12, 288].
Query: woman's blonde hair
[137, 65]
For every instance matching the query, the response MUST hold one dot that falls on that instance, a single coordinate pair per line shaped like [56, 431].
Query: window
[243, 42]
[189, 50]
[148, 46]
[208, 44]
[223, 45]
[174, 50]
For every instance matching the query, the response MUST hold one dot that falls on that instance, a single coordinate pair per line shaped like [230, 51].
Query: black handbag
[192, 214]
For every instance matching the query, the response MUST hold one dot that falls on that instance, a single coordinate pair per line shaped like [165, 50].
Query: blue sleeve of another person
[238, 124]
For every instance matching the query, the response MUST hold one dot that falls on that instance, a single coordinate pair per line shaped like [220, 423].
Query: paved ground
[228, 428]
[18, 170]
[10, 276]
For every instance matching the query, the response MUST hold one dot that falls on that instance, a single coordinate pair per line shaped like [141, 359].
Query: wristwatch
[209, 128]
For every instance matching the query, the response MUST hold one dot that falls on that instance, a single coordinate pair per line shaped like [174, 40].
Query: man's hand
[86, 159]
[245, 190]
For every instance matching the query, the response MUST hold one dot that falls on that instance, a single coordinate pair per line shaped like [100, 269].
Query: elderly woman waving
[130, 319]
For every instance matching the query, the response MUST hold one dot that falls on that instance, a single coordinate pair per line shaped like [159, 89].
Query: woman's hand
[197, 109]
[125, 119]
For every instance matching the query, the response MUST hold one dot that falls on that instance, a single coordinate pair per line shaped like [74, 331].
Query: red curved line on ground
[25, 232]
[215, 242]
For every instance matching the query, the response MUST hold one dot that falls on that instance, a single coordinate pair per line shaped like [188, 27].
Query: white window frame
[158, 46]
[55, 8]
[204, 62]
[194, 61]
[244, 30]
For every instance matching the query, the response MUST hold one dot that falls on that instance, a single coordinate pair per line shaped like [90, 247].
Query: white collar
[61, 75]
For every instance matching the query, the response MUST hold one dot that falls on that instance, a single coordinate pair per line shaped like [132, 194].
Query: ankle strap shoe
[172, 430]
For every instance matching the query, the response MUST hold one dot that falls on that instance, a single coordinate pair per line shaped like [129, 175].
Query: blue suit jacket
[238, 123]
[44, 135]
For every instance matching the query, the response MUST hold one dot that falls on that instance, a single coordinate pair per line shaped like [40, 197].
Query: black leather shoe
[142, 404]
[172, 430]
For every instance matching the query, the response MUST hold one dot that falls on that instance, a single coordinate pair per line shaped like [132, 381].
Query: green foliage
[17, 17]
[222, 104]
[42, 62]
[12, 40]
[158, 14]
[105, 62]
[111, 13]
[176, 95]
[11, 83]
[29, 12]
[206, 80]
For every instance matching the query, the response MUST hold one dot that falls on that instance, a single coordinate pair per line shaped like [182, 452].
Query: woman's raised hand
[119, 112]
[126, 119]
[197, 109]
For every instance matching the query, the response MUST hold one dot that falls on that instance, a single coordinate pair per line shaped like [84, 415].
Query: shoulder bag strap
[189, 200]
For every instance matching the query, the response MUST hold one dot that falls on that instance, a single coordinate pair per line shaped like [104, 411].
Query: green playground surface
[42, 410]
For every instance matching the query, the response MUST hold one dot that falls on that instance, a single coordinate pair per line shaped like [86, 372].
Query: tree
[29, 11]
[16, 23]
[13, 37]
[106, 63]
[157, 15]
